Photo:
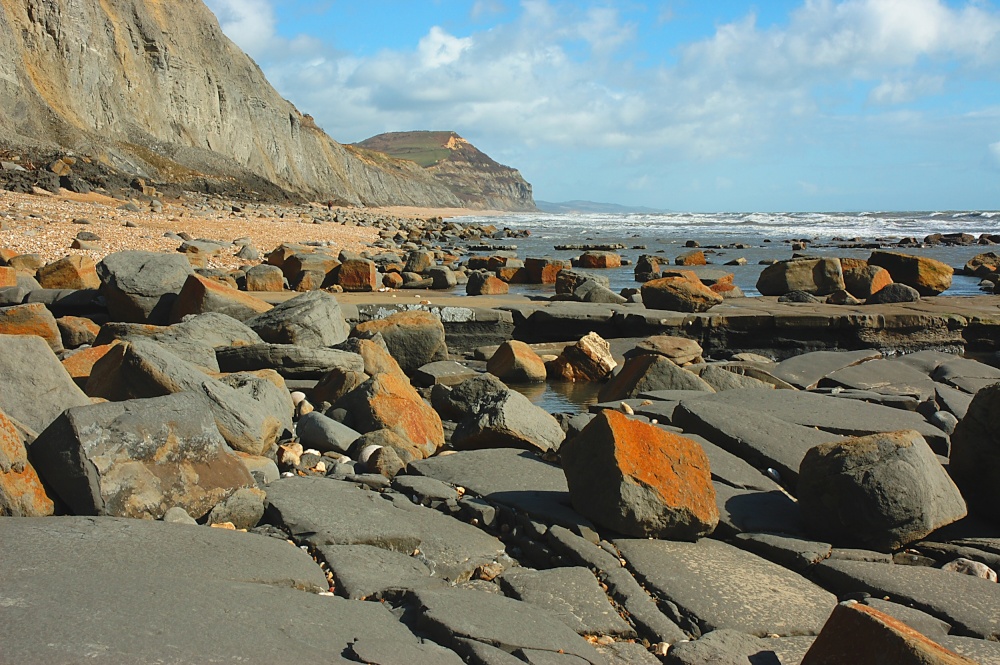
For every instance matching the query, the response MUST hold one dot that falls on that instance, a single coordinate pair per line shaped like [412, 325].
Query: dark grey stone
[723, 646]
[627, 653]
[495, 621]
[968, 603]
[646, 373]
[805, 370]
[141, 287]
[34, 387]
[325, 434]
[446, 372]
[313, 319]
[292, 362]
[975, 458]
[96, 584]
[953, 400]
[757, 437]
[885, 376]
[893, 293]
[923, 623]
[425, 489]
[720, 586]
[378, 652]
[848, 418]
[571, 595]
[323, 511]
[722, 379]
[742, 511]
[514, 478]
[365, 571]
[506, 418]
[732, 470]
[984, 652]
[794, 553]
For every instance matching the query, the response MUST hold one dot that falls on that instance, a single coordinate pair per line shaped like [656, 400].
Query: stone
[681, 350]
[77, 331]
[893, 293]
[289, 360]
[724, 646]
[755, 511]
[442, 278]
[922, 622]
[639, 480]
[312, 319]
[265, 277]
[816, 276]
[720, 378]
[966, 374]
[975, 454]
[544, 270]
[804, 371]
[967, 603]
[887, 377]
[32, 319]
[864, 282]
[413, 338]
[802, 297]
[80, 363]
[8, 277]
[974, 568]
[324, 434]
[419, 261]
[505, 418]
[646, 373]
[140, 287]
[794, 553]
[692, 258]
[357, 275]
[678, 294]
[570, 594]
[588, 360]
[856, 633]
[516, 362]
[21, 490]
[34, 387]
[70, 272]
[717, 586]
[236, 582]
[761, 439]
[928, 276]
[484, 284]
[882, 491]
[322, 511]
[138, 458]
[388, 401]
[443, 372]
[200, 295]
[362, 572]
[599, 259]
[243, 509]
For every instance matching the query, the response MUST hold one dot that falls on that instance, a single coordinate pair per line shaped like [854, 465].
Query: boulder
[31, 319]
[388, 401]
[485, 284]
[139, 458]
[243, 509]
[265, 277]
[681, 350]
[695, 257]
[419, 261]
[591, 291]
[21, 491]
[863, 282]
[893, 293]
[442, 372]
[77, 331]
[545, 269]
[201, 295]
[140, 287]
[678, 294]
[442, 278]
[34, 386]
[882, 491]
[8, 277]
[313, 319]
[640, 480]
[502, 418]
[588, 360]
[515, 362]
[816, 276]
[859, 634]
[70, 272]
[975, 453]
[80, 364]
[646, 373]
[600, 259]
[289, 360]
[414, 338]
[928, 276]
[358, 275]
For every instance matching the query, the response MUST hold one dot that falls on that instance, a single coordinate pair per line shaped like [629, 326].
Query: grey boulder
[506, 418]
[313, 319]
[34, 387]
[141, 287]
[325, 434]
[644, 373]
[289, 360]
[975, 457]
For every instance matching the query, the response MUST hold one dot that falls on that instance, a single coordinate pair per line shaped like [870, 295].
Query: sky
[686, 105]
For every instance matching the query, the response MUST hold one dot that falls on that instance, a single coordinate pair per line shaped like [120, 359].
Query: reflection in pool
[559, 396]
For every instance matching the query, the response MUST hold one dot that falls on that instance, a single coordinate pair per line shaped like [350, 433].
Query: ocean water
[767, 236]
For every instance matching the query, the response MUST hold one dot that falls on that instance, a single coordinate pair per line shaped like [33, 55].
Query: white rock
[974, 568]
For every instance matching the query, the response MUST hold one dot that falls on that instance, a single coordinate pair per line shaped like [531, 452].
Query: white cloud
[438, 48]
[249, 23]
[903, 91]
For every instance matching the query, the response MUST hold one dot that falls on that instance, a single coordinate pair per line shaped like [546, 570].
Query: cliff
[472, 176]
[154, 88]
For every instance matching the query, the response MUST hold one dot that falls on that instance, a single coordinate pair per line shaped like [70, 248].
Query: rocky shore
[308, 448]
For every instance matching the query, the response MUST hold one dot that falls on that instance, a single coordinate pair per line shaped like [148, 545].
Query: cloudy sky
[683, 105]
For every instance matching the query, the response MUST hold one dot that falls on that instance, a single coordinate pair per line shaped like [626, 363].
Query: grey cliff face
[156, 89]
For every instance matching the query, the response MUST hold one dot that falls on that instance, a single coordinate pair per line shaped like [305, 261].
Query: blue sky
[683, 105]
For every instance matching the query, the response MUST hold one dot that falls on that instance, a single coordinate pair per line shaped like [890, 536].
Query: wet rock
[140, 287]
[312, 319]
[588, 360]
[21, 491]
[678, 294]
[413, 338]
[34, 387]
[863, 282]
[200, 295]
[646, 373]
[884, 490]
[856, 633]
[815, 276]
[640, 480]
[485, 284]
[31, 319]
[928, 276]
[515, 362]
[138, 458]
[70, 272]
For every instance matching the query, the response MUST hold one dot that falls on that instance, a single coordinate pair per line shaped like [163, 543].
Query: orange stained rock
[82, 362]
[672, 465]
[21, 491]
[397, 406]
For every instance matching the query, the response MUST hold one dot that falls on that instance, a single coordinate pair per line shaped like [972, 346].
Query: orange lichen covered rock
[31, 319]
[516, 362]
[864, 281]
[388, 401]
[640, 480]
[70, 272]
[679, 294]
[200, 295]
[8, 277]
[77, 331]
[862, 635]
[695, 257]
[928, 276]
[21, 491]
[82, 362]
[357, 275]
[544, 270]
[598, 259]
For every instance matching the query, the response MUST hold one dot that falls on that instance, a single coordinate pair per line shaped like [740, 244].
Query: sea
[761, 237]
[724, 237]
